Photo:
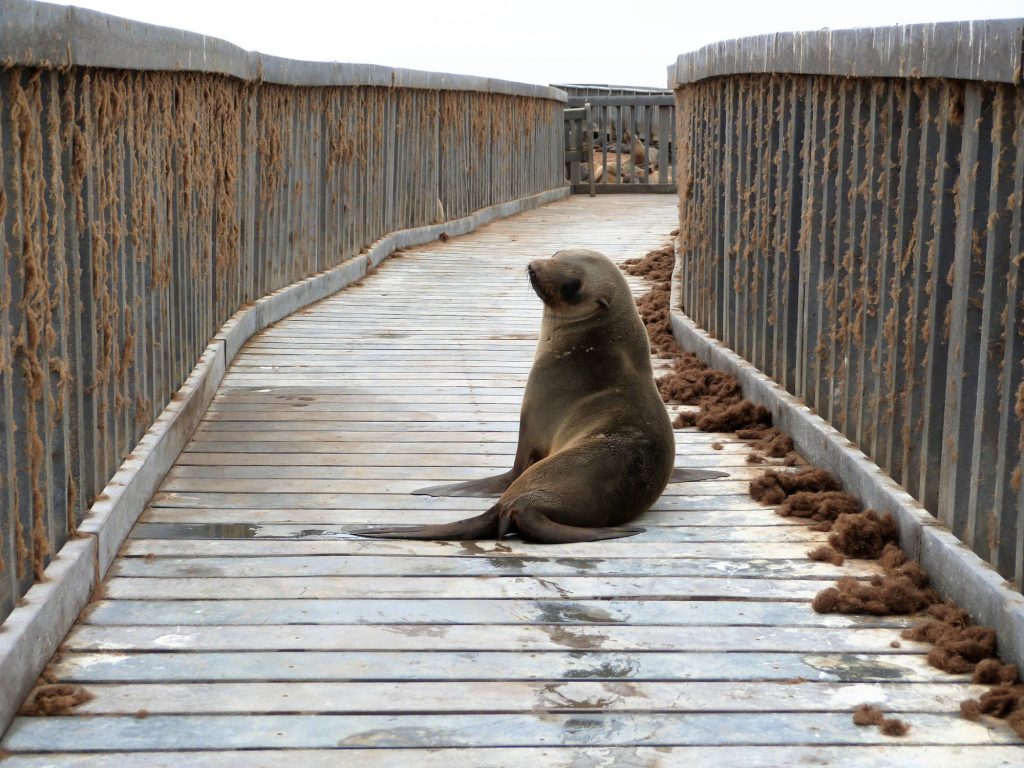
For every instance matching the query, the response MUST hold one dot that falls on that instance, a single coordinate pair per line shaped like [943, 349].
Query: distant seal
[596, 447]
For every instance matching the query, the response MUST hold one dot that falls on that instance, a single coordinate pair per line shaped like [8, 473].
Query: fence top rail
[622, 101]
[989, 50]
[48, 36]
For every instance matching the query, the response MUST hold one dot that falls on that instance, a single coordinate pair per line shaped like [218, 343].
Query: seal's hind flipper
[692, 475]
[485, 487]
[483, 526]
[537, 527]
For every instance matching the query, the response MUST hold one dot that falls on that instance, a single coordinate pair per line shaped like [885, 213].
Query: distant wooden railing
[631, 147]
[154, 181]
[579, 148]
[851, 223]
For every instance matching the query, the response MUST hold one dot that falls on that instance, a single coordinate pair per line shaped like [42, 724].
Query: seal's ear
[604, 301]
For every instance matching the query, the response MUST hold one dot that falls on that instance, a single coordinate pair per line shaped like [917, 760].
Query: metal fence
[140, 209]
[851, 223]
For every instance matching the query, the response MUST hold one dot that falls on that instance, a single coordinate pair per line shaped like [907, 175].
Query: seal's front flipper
[485, 487]
[692, 475]
[483, 526]
[538, 527]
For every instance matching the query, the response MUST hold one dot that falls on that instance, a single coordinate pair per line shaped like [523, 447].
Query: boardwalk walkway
[242, 616]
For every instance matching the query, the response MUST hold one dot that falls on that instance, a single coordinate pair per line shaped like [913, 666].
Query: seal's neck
[555, 325]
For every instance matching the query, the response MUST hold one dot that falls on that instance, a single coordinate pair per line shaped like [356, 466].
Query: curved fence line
[46, 36]
[860, 240]
[140, 209]
[989, 50]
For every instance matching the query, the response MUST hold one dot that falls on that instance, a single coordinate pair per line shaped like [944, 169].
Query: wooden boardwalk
[242, 616]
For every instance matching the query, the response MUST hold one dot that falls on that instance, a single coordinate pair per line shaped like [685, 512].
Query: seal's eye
[571, 290]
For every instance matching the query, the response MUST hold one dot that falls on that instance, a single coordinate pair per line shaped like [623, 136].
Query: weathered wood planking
[175, 666]
[506, 695]
[470, 587]
[764, 756]
[479, 637]
[425, 565]
[242, 615]
[702, 613]
[112, 733]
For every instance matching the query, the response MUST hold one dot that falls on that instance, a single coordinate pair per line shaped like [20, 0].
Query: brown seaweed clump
[819, 506]
[774, 487]
[720, 397]
[691, 382]
[994, 672]
[684, 419]
[653, 309]
[902, 588]
[729, 418]
[54, 699]
[866, 714]
[770, 441]
[1005, 701]
[864, 534]
[825, 554]
[896, 592]
[960, 646]
[656, 265]
[724, 416]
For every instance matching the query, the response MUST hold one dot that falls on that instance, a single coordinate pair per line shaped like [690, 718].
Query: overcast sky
[628, 42]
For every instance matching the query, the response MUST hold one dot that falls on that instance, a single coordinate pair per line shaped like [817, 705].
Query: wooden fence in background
[851, 223]
[141, 207]
[619, 117]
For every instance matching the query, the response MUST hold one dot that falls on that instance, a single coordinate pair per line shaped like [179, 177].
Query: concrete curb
[34, 630]
[955, 570]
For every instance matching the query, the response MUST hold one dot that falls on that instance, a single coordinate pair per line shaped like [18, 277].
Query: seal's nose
[531, 270]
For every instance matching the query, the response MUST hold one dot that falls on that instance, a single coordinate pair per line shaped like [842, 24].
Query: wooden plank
[887, 755]
[371, 441]
[733, 485]
[356, 500]
[352, 444]
[332, 500]
[355, 565]
[508, 548]
[377, 431]
[750, 535]
[458, 730]
[413, 513]
[211, 666]
[484, 637]
[518, 696]
[195, 464]
[723, 613]
[510, 587]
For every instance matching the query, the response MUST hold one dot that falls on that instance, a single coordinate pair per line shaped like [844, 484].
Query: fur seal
[596, 446]
[640, 154]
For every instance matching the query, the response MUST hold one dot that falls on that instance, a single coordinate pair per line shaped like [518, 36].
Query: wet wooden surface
[242, 615]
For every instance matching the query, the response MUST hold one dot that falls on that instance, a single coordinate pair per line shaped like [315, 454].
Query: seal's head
[576, 283]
